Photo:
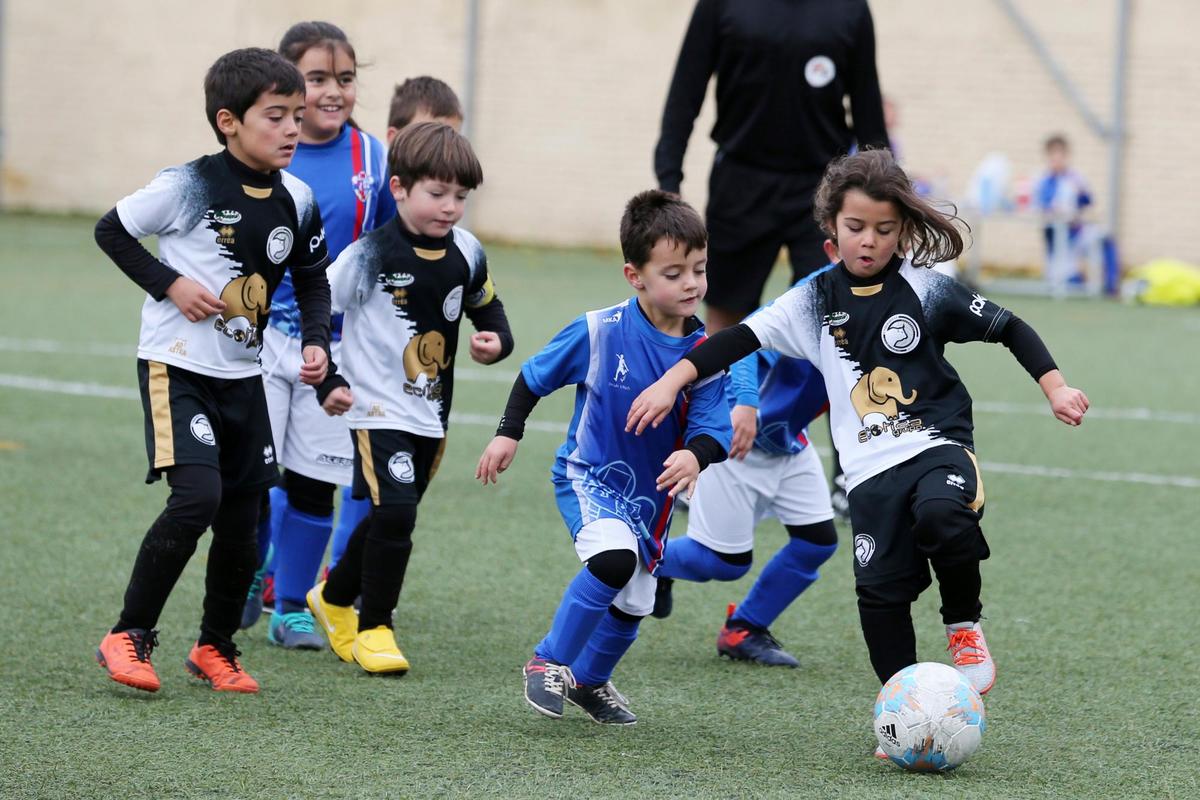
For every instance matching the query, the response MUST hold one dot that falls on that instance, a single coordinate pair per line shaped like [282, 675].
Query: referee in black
[784, 70]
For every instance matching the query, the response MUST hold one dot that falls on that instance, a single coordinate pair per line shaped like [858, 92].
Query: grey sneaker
[604, 704]
[546, 684]
[294, 631]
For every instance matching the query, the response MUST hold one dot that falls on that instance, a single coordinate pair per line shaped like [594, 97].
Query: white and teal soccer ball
[928, 718]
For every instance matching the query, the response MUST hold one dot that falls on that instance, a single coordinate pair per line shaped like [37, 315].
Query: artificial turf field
[1091, 595]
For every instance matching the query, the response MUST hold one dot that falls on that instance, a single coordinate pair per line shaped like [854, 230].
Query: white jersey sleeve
[790, 324]
[155, 208]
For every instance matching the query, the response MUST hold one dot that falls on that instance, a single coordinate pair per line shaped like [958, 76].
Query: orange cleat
[126, 656]
[219, 667]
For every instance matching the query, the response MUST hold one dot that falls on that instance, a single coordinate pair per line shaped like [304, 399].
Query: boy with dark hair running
[228, 226]
[404, 289]
[615, 493]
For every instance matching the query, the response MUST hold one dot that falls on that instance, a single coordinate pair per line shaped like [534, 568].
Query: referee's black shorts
[752, 213]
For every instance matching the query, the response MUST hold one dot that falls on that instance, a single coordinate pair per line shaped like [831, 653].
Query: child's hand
[682, 470]
[338, 402]
[193, 300]
[656, 401]
[745, 428]
[495, 459]
[485, 347]
[316, 363]
[1068, 404]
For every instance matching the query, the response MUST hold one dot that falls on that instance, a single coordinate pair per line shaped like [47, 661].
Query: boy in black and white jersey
[404, 288]
[228, 226]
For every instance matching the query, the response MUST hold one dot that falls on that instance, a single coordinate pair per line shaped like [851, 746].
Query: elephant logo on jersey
[901, 334]
[864, 548]
[877, 398]
[425, 355]
[245, 302]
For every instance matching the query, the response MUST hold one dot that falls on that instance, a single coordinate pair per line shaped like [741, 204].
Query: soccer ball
[928, 718]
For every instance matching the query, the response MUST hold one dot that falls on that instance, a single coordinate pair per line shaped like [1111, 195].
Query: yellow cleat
[340, 623]
[376, 652]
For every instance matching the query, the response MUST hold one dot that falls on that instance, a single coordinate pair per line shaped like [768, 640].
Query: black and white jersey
[234, 231]
[404, 296]
[879, 345]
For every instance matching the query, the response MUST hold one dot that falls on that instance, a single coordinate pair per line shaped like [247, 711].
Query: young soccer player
[347, 170]
[876, 324]
[771, 471]
[616, 494]
[423, 99]
[404, 288]
[228, 226]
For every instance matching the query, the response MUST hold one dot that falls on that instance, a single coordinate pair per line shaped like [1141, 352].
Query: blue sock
[583, 605]
[689, 560]
[278, 501]
[350, 514]
[301, 541]
[610, 640]
[790, 572]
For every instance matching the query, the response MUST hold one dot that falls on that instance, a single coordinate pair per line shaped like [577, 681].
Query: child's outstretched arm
[718, 352]
[501, 451]
[1067, 403]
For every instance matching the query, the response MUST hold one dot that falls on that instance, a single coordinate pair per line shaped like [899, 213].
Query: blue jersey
[348, 177]
[789, 394]
[601, 471]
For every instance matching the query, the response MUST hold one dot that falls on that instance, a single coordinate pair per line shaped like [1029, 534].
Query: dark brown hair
[1056, 140]
[422, 93]
[237, 79]
[652, 215]
[434, 150]
[933, 235]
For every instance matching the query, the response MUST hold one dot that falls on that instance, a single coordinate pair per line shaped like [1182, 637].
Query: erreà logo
[864, 548]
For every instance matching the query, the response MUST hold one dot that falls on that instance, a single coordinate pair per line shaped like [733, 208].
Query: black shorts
[394, 467]
[198, 419]
[752, 212]
[883, 508]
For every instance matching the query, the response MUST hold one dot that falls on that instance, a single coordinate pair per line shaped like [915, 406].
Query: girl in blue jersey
[616, 494]
[347, 170]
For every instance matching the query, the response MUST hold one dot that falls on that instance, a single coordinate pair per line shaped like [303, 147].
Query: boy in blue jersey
[616, 493]
[772, 472]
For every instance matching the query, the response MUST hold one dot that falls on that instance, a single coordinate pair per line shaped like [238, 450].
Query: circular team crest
[864, 548]
[901, 334]
[202, 430]
[279, 244]
[819, 71]
[452, 305]
[400, 467]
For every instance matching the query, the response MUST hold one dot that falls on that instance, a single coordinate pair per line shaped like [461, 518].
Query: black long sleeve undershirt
[722, 349]
[521, 401]
[132, 257]
[1027, 347]
[492, 317]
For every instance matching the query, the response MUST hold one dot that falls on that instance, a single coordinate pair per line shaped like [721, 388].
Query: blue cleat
[741, 641]
[295, 630]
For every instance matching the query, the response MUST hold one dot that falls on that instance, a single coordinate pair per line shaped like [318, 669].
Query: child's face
[673, 281]
[1057, 158]
[431, 207]
[331, 89]
[265, 137]
[423, 115]
[868, 233]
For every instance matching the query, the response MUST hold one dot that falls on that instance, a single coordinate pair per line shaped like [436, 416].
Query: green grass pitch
[1091, 595]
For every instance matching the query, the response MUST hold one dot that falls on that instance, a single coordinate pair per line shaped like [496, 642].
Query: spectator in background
[1061, 195]
[784, 69]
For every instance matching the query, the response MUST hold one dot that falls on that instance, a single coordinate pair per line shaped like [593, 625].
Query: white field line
[504, 376]
[35, 384]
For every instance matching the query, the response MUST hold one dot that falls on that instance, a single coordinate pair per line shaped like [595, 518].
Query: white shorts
[637, 598]
[734, 496]
[307, 440]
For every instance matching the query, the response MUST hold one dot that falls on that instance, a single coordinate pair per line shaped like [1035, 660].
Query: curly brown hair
[933, 235]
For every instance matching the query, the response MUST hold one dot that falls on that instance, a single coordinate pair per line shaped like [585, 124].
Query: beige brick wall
[96, 97]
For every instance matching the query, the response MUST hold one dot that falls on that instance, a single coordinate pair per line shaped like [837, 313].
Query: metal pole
[470, 66]
[3, 50]
[1116, 141]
